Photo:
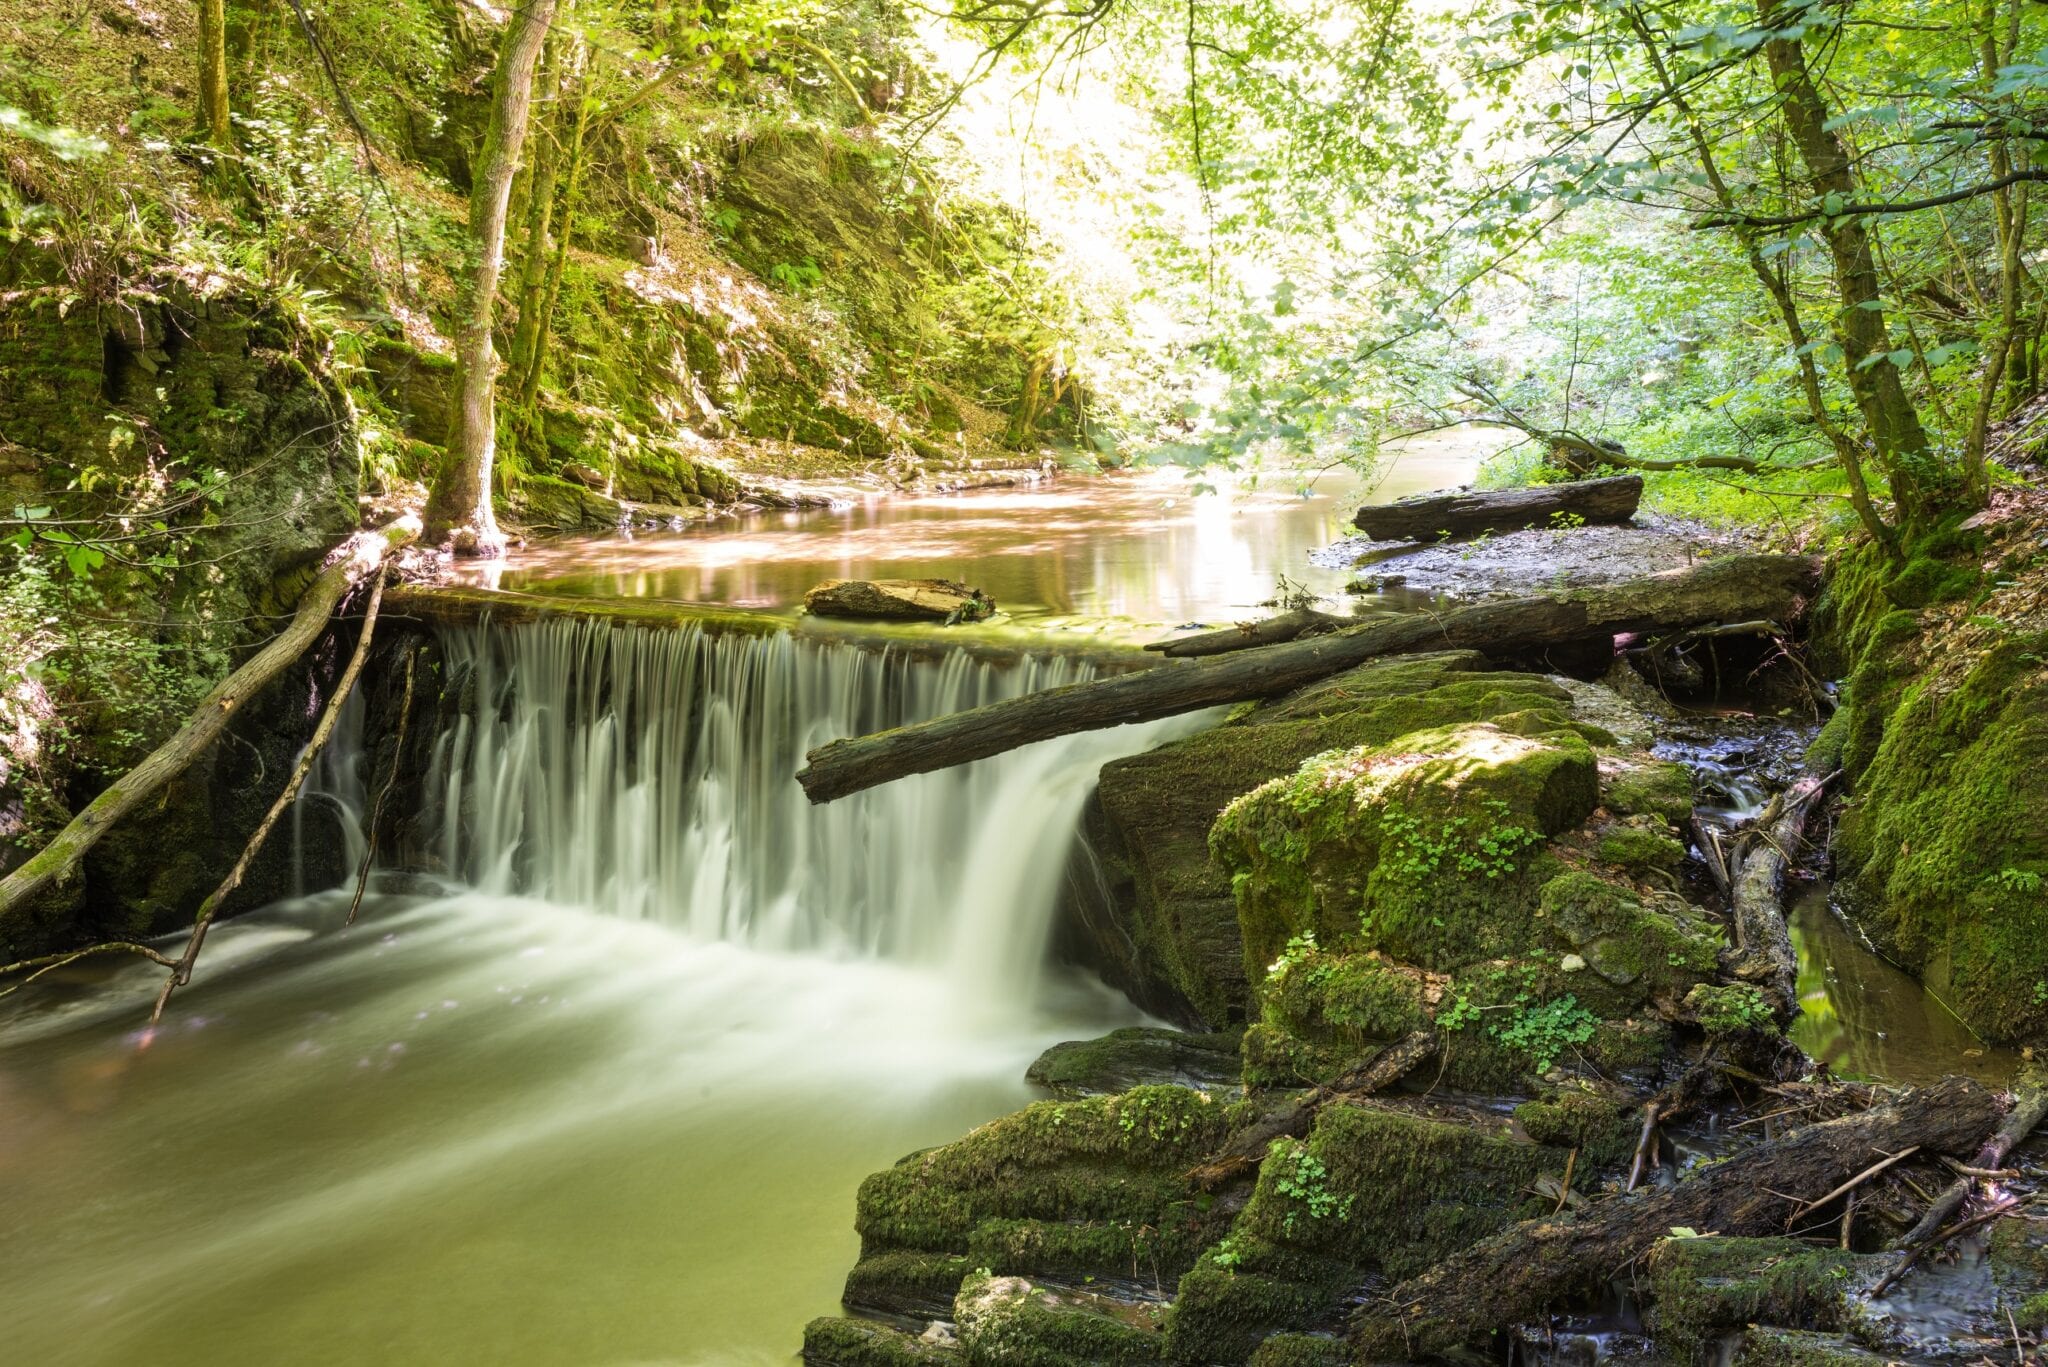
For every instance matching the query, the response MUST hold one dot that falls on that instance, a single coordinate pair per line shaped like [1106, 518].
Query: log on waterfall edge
[1736, 588]
[1573, 503]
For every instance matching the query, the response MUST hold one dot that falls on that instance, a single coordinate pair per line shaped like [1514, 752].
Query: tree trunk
[1880, 393]
[213, 74]
[529, 366]
[361, 556]
[1527, 1268]
[1427, 517]
[460, 509]
[1738, 588]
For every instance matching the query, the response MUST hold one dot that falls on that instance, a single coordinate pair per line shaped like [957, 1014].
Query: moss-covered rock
[1600, 1124]
[908, 1282]
[1639, 786]
[836, 1342]
[1008, 1322]
[1640, 848]
[1704, 1287]
[1301, 1350]
[1071, 1188]
[1419, 847]
[1169, 934]
[1372, 1189]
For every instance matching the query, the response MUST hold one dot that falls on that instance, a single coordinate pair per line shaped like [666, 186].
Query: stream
[607, 1098]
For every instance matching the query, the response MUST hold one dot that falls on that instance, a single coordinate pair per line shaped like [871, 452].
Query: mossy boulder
[1703, 1287]
[1640, 848]
[837, 1342]
[1009, 1322]
[1639, 786]
[1079, 1188]
[1166, 930]
[1419, 847]
[1761, 1345]
[1373, 1189]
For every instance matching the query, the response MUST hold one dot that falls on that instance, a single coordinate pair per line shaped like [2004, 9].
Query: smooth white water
[605, 1103]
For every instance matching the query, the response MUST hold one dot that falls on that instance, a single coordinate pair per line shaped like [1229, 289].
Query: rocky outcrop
[905, 600]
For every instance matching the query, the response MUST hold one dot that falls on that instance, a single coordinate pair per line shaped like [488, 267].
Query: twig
[355, 903]
[50, 963]
[1564, 1190]
[1854, 1182]
[181, 973]
[1635, 1170]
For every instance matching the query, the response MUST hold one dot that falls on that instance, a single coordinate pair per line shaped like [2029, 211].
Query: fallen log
[1246, 1149]
[1288, 626]
[350, 563]
[1731, 589]
[1528, 1268]
[2029, 1109]
[1427, 517]
[1763, 954]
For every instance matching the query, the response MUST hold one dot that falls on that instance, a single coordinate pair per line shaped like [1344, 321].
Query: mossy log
[1427, 517]
[1288, 626]
[1737, 588]
[351, 563]
[1530, 1267]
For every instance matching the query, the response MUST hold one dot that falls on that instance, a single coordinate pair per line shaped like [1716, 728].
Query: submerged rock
[920, 600]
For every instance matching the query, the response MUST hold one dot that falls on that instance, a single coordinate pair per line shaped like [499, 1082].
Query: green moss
[1763, 1346]
[1650, 787]
[1008, 1322]
[1105, 1158]
[1602, 1127]
[1729, 1009]
[2033, 1311]
[1385, 1188]
[1944, 843]
[1642, 948]
[1176, 942]
[1705, 1286]
[1925, 580]
[905, 1281]
[1245, 1290]
[836, 1342]
[1125, 1248]
[1419, 847]
[1301, 1350]
[1637, 849]
[1275, 1058]
[1354, 1000]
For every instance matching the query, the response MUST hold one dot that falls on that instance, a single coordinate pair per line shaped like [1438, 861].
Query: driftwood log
[1288, 626]
[1529, 1267]
[1246, 1149]
[352, 562]
[1732, 589]
[1763, 954]
[1426, 517]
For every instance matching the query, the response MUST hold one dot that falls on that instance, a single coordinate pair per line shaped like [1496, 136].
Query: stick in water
[182, 973]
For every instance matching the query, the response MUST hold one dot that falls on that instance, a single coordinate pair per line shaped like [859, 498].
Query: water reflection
[1138, 548]
[1864, 1017]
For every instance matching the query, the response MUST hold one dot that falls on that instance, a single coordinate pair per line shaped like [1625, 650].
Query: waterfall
[649, 775]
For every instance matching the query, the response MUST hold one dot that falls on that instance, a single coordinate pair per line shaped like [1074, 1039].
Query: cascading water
[649, 775]
[607, 1099]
